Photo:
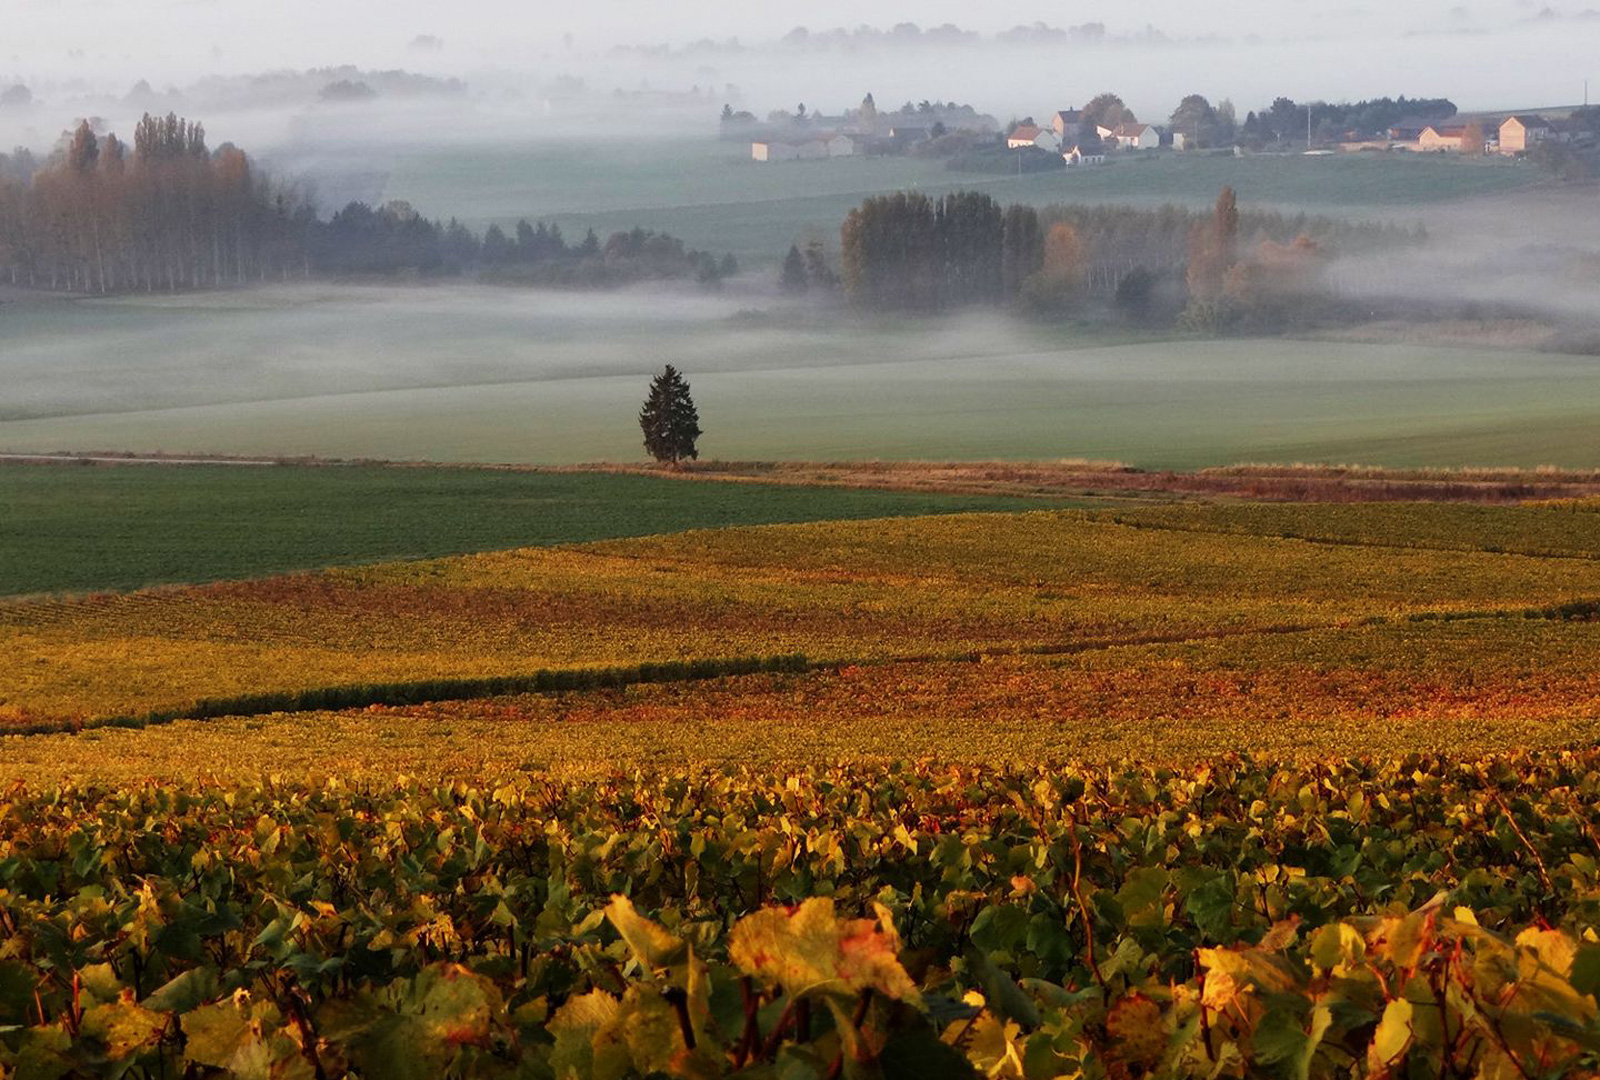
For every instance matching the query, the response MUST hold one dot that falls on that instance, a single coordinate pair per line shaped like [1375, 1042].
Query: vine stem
[860, 1014]
[1538, 860]
[752, 1024]
[1083, 907]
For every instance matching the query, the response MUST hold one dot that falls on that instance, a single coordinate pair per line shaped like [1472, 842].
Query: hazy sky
[1484, 54]
[52, 35]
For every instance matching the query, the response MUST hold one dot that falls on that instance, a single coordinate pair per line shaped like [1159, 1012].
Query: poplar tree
[1213, 248]
[1022, 247]
[670, 422]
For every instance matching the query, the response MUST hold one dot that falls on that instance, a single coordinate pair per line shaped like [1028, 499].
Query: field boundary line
[1339, 541]
[352, 696]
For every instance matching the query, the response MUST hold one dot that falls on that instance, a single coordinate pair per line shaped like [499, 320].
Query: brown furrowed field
[1165, 631]
[1469, 686]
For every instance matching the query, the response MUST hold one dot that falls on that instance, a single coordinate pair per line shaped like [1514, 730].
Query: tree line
[910, 253]
[393, 239]
[169, 213]
[165, 213]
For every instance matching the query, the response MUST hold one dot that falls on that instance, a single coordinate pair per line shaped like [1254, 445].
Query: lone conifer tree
[793, 280]
[671, 424]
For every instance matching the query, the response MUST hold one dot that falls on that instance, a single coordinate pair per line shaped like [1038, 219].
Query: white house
[1131, 137]
[1027, 135]
[774, 151]
[1076, 155]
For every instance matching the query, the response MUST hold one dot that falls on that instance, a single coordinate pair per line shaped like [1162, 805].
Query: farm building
[1441, 138]
[1519, 134]
[1080, 154]
[809, 149]
[1131, 137]
[774, 151]
[1066, 123]
[1408, 130]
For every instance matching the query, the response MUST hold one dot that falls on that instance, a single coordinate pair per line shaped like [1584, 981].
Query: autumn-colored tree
[1065, 260]
[1213, 248]
[1106, 110]
[1197, 121]
[1473, 139]
[169, 214]
[1274, 273]
[1059, 283]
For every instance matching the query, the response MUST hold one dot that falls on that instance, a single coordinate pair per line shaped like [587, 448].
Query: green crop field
[713, 196]
[78, 528]
[483, 375]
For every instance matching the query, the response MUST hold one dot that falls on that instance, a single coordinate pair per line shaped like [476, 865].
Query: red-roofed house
[1026, 135]
[1132, 137]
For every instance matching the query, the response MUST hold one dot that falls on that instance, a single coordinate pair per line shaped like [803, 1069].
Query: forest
[169, 213]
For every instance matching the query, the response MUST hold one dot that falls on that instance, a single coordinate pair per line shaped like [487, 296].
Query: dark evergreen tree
[793, 280]
[498, 248]
[670, 422]
[1135, 295]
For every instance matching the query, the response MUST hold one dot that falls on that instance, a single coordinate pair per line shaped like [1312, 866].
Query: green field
[714, 197]
[78, 528]
[484, 375]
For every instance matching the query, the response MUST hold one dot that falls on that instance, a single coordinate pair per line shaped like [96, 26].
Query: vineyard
[1416, 917]
[1217, 791]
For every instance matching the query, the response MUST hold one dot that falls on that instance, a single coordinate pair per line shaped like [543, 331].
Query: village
[1106, 129]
